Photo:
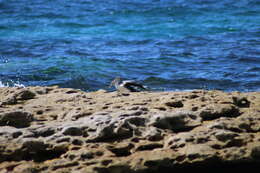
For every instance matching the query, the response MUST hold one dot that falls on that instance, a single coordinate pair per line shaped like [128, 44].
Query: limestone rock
[219, 110]
[13, 96]
[177, 121]
[52, 129]
[17, 119]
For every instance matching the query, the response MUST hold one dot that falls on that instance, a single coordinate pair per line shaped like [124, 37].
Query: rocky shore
[51, 129]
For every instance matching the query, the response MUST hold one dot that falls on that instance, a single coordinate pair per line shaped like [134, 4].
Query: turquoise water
[165, 44]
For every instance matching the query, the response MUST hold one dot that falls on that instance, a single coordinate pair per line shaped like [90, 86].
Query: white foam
[19, 85]
[13, 85]
[1, 84]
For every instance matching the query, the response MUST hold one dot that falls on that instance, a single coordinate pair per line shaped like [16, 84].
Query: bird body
[127, 85]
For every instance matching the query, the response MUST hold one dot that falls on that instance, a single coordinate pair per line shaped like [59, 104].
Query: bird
[123, 86]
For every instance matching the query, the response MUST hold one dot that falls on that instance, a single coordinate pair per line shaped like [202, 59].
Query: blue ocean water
[165, 44]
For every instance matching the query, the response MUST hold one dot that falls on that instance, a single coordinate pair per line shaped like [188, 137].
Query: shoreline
[52, 129]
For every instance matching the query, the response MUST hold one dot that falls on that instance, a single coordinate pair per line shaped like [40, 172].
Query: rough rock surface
[51, 129]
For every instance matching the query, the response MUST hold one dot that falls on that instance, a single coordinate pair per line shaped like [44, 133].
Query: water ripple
[166, 44]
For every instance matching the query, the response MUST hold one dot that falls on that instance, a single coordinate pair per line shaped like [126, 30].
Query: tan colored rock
[175, 121]
[18, 119]
[52, 129]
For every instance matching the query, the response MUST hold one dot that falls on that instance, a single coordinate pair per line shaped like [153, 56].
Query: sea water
[164, 44]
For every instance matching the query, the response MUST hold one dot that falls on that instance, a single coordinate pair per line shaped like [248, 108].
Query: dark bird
[127, 85]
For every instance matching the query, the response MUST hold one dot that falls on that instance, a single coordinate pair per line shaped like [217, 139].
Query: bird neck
[116, 84]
